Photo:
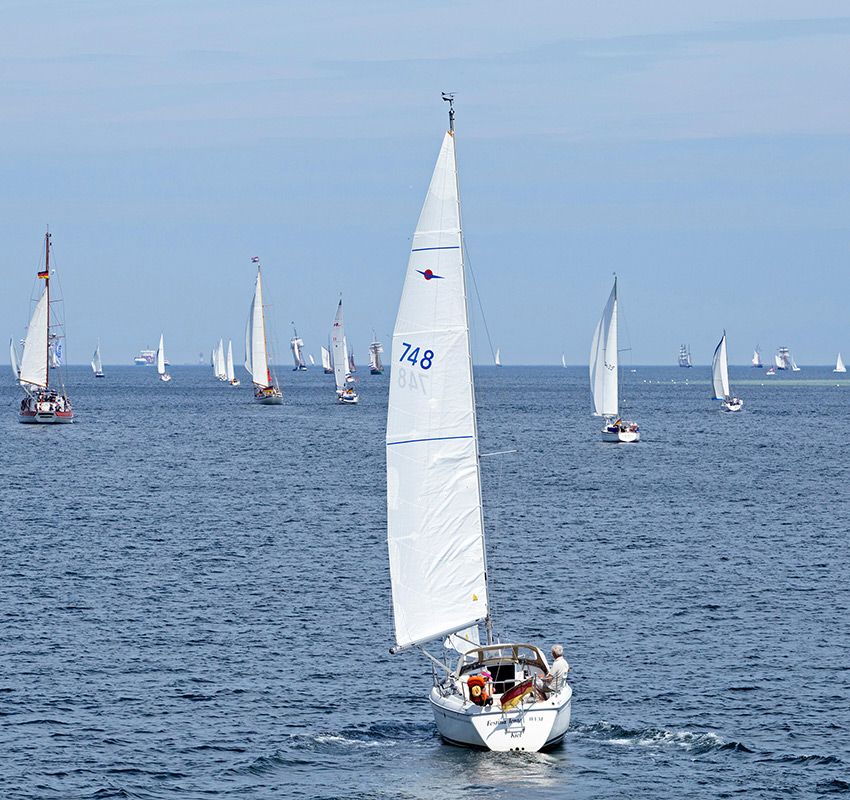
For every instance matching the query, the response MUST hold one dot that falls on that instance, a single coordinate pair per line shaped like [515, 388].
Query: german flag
[44, 274]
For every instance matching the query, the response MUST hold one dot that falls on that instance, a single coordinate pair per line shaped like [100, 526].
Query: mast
[449, 97]
[47, 290]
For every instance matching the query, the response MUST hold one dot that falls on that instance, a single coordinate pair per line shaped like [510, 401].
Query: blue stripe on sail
[420, 249]
[434, 439]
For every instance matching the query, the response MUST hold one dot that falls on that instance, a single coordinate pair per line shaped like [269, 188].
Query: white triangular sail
[13, 360]
[756, 360]
[160, 356]
[563, 360]
[96, 364]
[778, 362]
[720, 371]
[326, 358]
[312, 360]
[604, 360]
[220, 367]
[256, 354]
[34, 361]
[228, 369]
[296, 343]
[434, 518]
[498, 358]
[339, 347]
[839, 364]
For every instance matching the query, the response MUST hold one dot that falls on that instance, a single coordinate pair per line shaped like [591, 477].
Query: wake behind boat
[720, 379]
[604, 376]
[266, 390]
[495, 696]
[42, 403]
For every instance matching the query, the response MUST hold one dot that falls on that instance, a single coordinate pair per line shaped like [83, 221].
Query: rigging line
[468, 263]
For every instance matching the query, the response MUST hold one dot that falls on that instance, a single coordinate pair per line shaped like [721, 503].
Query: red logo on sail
[428, 274]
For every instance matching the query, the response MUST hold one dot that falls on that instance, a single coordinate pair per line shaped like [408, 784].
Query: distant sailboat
[756, 360]
[312, 360]
[349, 357]
[375, 350]
[96, 363]
[604, 377]
[42, 403]
[230, 373]
[685, 356]
[720, 378]
[563, 361]
[839, 364]
[345, 391]
[491, 694]
[327, 364]
[219, 366]
[160, 361]
[296, 344]
[498, 358]
[266, 390]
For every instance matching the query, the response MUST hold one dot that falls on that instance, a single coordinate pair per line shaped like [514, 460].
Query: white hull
[165, 378]
[531, 727]
[348, 400]
[729, 405]
[620, 436]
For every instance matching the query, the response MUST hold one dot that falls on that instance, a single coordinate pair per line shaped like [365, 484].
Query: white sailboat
[96, 363]
[42, 402]
[296, 344]
[375, 350]
[219, 367]
[563, 361]
[839, 364]
[490, 696]
[349, 357]
[604, 376]
[327, 364]
[345, 391]
[756, 360]
[230, 373]
[312, 360]
[498, 358]
[720, 378]
[266, 390]
[160, 361]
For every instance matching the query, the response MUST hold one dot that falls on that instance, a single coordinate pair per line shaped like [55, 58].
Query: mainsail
[256, 355]
[96, 365]
[220, 368]
[326, 359]
[435, 525]
[720, 371]
[604, 360]
[839, 364]
[228, 370]
[34, 361]
[756, 360]
[160, 356]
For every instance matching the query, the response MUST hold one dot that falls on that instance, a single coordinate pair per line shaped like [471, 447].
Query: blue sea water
[195, 597]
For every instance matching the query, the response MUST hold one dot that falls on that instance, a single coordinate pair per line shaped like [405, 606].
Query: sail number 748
[411, 354]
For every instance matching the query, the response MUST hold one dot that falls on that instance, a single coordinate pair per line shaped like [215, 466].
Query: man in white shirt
[554, 680]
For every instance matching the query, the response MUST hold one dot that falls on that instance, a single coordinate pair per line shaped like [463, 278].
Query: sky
[700, 151]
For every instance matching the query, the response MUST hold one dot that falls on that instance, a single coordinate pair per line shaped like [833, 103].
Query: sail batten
[435, 527]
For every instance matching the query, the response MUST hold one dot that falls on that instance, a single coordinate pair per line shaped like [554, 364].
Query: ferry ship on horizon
[147, 358]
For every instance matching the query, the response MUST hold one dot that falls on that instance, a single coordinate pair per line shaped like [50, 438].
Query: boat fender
[478, 690]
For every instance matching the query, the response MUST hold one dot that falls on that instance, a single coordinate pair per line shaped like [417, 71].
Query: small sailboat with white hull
[97, 363]
[604, 376]
[720, 379]
[490, 697]
[42, 403]
[266, 390]
[342, 361]
[161, 362]
[839, 364]
[756, 359]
